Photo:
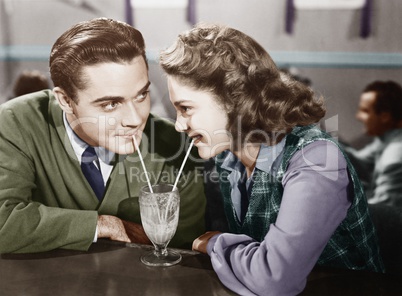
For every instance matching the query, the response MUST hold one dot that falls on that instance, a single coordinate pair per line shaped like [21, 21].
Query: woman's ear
[65, 102]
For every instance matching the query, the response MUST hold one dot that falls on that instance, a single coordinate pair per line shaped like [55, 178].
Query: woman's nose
[181, 124]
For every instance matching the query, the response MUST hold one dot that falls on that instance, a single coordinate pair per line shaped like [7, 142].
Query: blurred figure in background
[30, 81]
[379, 164]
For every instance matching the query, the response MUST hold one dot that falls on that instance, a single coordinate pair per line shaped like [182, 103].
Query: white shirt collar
[79, 145]
[265, 159]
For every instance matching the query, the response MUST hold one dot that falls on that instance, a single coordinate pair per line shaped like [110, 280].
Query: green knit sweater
[45, 200]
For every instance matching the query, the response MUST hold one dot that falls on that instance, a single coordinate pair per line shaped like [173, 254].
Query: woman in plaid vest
[292, 199]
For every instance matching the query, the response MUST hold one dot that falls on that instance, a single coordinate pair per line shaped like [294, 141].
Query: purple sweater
[280, 264]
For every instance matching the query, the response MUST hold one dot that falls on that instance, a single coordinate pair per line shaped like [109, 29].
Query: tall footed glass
[160, 215]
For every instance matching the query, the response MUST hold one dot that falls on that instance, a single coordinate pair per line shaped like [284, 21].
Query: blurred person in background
[379, 164]
[30, 81]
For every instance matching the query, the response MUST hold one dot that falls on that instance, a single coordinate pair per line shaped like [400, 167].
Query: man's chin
[122, 150]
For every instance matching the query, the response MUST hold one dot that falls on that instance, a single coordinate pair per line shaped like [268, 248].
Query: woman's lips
[196, 138]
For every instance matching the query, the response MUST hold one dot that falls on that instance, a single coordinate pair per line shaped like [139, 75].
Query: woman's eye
[185, 108]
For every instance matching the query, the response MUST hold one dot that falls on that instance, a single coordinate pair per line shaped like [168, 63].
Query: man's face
[114, 106]
[375, 123]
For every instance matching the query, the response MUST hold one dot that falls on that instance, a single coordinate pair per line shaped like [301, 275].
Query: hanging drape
[365, 23]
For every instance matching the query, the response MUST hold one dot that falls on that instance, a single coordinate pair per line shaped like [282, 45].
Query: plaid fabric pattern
[354, 243]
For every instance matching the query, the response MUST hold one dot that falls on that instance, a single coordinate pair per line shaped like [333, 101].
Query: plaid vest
[354, 243]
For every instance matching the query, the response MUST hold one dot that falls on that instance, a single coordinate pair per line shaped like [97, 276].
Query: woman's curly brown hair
[260, 101]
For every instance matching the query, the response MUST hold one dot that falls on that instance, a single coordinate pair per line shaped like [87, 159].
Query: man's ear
[65, 102]
[386, 117]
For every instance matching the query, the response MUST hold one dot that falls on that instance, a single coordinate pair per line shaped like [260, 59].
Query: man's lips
[128, 135]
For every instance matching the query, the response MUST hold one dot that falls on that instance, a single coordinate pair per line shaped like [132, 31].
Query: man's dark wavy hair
[88, 43]
[242, 77]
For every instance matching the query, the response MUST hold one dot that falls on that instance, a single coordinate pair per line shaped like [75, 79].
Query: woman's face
[201, 117]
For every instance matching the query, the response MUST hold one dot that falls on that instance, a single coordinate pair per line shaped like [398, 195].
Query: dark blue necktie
[242, 185]
[91, 172]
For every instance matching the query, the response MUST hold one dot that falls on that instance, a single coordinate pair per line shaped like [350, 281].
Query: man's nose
[359, 116]
[131, 116]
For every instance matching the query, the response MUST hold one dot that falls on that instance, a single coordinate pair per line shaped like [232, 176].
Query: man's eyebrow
[108, 99]
[119, 98]
[144, 88]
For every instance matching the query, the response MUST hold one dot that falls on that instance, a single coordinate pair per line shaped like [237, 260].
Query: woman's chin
[205, 153]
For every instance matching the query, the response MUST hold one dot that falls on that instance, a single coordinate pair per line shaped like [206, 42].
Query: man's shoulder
[29, 106]
[163, 138]
[28, 118]
[392, 140]
[396, 135]
[392, 153]
[162, 130]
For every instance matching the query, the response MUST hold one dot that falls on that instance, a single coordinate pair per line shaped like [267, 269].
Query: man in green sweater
[99, 103]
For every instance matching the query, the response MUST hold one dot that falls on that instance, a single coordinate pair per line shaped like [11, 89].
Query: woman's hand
[200, 243]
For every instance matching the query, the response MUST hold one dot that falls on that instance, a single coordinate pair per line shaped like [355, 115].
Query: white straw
[142, 162]
[182, 165]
